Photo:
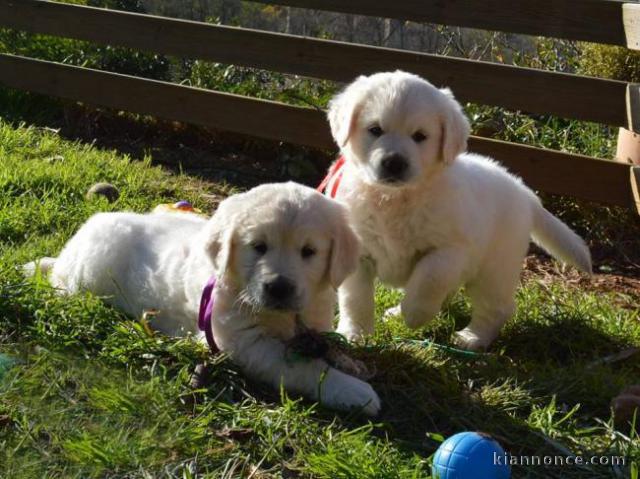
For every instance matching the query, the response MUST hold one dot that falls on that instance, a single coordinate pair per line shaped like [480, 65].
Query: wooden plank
[236, 113]
[634, 178]
[547, 170]
[633, 106]
[631, 22]
[551, 171]
[598, 21]
[526, 89]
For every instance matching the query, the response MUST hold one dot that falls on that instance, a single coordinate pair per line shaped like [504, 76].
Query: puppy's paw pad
[467, 339]
[353, 335]
[373, 407]
[363, 396]
[346, 392]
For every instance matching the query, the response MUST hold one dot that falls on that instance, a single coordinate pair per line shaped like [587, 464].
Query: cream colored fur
[162, 261]
[450, 219]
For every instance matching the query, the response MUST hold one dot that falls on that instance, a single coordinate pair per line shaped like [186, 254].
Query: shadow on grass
[534, 375]
[561, 340]
[425, 397]
[204, 153]
[425, 392]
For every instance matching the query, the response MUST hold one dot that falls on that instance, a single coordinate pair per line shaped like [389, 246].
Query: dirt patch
[202, 152]
[624, 289]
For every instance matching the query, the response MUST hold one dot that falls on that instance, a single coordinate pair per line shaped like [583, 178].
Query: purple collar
[206, 310]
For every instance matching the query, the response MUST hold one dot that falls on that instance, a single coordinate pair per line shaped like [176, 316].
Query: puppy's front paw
[353, 331]
[341, 391]
[353, 335]
[417, 313]
[472, 341]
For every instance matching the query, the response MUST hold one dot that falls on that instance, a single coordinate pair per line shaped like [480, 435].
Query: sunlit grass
[95, 395]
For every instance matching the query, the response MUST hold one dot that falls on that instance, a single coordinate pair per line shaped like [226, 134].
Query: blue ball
[470, 455]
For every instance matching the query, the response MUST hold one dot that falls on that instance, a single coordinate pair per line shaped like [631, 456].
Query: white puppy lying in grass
[277, 252]
[431, 217]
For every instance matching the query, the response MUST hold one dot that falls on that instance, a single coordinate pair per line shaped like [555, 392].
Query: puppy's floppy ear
[218, 241]
[345, 249]
[455, 128]
[344, 109]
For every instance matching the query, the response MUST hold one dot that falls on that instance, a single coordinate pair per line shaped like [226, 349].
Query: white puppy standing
[431, 217]
[277, 251]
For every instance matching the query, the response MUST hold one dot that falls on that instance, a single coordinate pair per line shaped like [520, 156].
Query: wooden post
[631, 22]
[634, 177]
[628, 148]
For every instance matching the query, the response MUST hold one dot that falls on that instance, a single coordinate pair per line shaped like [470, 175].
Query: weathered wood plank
[598, 21]
[546, 170]
[236, 113]
[634, 178]
[526, 89]
[551, 171]
[633, 106]
[631, 22]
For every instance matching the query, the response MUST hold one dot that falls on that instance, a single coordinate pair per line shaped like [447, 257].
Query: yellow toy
[179, 207]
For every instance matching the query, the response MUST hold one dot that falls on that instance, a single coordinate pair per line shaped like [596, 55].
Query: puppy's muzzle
[393, 169]
[279, 293]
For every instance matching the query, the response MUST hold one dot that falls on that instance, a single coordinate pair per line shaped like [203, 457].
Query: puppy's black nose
[279, 289]
[394, 167]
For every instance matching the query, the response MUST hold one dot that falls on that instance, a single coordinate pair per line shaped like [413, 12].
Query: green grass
[95, 395]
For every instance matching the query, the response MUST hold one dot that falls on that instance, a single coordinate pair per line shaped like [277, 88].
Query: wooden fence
[569, 96]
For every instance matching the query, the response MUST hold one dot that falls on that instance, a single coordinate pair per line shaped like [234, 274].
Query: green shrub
[258, 83]
[607, 61]
[86, 54]
[79, 53]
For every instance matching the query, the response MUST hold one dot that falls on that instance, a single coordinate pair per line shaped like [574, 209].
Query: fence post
[628, 148]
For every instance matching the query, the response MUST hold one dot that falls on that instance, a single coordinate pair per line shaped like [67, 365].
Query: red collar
[333, 178]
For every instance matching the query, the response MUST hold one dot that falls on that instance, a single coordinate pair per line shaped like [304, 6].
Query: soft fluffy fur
[282, 234]
[432, 218]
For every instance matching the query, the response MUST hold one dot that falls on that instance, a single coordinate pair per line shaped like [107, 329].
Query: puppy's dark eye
[376, 131]
[260, 247]
[418, 137]
[307, 252]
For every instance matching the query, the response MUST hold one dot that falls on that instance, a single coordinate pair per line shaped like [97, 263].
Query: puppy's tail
[43, 264]
[559, 240]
